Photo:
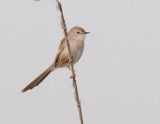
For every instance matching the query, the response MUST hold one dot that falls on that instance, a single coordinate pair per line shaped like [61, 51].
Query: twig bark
[71, 64]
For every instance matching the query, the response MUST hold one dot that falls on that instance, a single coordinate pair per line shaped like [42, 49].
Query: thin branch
[71, 64]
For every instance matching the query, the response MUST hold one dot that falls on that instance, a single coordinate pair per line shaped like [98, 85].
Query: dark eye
[78, 32]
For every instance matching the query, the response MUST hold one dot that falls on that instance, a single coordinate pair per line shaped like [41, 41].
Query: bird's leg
[68, 59]
[65, 60]
[69, 68]
[71, 60]
[72, 76]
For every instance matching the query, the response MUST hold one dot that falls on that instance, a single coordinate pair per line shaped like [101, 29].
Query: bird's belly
[78, 56]
[77, 51]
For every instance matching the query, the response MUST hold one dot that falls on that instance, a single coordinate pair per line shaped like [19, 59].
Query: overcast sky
[118, 76]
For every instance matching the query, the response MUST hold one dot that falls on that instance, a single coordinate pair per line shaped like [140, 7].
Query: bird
[75, 37]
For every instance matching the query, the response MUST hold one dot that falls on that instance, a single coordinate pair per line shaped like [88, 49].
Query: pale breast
[79, 54]
[77, 50]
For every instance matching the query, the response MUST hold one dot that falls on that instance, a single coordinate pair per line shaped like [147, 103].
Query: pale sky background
[118, 75]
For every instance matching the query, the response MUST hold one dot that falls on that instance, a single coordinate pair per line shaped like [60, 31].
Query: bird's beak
[86, 32]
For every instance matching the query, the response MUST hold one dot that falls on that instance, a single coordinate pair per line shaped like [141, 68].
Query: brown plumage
[76, 38]
[38, 80]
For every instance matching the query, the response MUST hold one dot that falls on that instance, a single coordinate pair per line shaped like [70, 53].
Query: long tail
[39, 79]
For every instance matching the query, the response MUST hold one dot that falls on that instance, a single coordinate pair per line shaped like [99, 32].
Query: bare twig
[71, 64]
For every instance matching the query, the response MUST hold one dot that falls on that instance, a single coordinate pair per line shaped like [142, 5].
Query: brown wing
[62, 59]
[62, 44]
[61, 56]
[57, 63]
[57, 57]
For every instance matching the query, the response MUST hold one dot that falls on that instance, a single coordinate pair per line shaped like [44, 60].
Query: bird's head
[77, 32]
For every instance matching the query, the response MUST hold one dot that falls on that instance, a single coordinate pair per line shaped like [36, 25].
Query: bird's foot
[73, 76]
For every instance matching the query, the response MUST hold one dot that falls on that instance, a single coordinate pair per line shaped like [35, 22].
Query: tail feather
[39, 79]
